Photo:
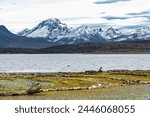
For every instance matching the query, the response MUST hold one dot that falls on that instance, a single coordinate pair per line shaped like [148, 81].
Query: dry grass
[21, 82]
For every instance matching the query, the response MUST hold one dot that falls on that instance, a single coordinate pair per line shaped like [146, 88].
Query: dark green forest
[99, 48]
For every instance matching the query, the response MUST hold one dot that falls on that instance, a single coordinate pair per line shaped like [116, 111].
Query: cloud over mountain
[110, 1]
[115, 18]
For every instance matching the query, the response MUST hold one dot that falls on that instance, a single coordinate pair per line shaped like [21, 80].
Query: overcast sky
[19, 14]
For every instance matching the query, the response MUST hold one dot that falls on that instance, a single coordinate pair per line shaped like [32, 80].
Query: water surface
[72, 62]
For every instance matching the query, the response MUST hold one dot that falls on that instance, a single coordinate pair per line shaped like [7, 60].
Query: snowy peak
[83, 30]
[143, 31]
[51, 23]
[111, 33]
[140, 34]
[24, 32]
[97, 31]
[50, 28]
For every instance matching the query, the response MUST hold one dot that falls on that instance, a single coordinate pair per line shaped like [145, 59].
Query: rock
[99, 85]
[35, 88]
[15, 94]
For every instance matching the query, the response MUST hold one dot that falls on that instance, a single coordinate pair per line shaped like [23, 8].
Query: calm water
[71, 62]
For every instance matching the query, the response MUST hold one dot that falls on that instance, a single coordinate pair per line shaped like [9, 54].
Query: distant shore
[122, 47]
[83, 72]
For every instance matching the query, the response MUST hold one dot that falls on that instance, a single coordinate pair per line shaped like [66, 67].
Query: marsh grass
[22, 82]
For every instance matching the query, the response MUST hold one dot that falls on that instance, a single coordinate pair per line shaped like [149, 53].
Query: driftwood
[35, 88]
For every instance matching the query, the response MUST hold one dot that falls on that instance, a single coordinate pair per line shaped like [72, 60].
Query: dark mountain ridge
[10, 40]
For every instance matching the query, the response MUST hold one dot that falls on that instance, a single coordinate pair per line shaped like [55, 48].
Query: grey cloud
[102, 13]
[143, 14]
[148, 17]
[140, 13]
[115, 18]
[110, 1]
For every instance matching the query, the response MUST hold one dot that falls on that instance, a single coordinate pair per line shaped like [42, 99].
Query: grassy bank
[114, 84]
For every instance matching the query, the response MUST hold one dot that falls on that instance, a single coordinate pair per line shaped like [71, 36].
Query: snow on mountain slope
[83, 30]
[142, 33]
[139, 34]
[24, 32]
[40, 32]
[54, 31]
[50, 28]
[111, 33]
[80, 34]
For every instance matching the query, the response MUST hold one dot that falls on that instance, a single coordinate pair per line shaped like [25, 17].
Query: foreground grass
[113, 85]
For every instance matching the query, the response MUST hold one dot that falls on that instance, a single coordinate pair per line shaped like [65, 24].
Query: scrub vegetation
[112, 84]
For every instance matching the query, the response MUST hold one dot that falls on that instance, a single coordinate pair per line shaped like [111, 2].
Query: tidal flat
[89, 85]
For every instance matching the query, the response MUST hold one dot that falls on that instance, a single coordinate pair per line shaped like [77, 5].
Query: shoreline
[101, 53]
[92, 71]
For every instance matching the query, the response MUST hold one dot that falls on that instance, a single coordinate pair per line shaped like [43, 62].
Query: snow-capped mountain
[54, 31]
[141, 33]
[80, 34]
[138, 34]
[111, 33]
[51, 28]
[81, 31]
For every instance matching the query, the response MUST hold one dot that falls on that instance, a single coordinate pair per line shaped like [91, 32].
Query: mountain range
[53, 32]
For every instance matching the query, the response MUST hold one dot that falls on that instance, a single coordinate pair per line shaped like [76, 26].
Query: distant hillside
[105, 47]
[8, 39]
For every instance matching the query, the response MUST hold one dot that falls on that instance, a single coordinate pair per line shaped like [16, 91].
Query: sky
[17, 15]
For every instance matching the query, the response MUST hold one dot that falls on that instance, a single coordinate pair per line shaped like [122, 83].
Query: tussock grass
[22, 82]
